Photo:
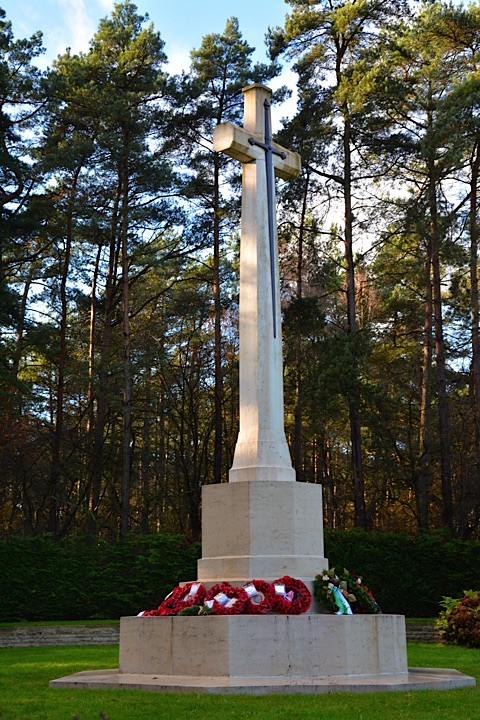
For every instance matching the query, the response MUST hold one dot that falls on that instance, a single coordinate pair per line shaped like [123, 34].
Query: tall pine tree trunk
[297, 439]
[424, 473]
[127, 381]
[354, 399]
[91, 355]
[97, 456]
[19, 339]
[56, 471]
[474, 299]
[144, 495]
[443, 419]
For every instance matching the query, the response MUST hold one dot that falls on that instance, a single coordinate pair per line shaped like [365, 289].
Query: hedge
[408, 575]
[75, 580]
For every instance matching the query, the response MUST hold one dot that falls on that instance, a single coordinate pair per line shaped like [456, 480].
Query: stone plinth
[265, 654]
[282, 646]
[261, 530]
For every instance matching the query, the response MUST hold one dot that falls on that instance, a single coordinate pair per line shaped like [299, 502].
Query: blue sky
[182, 24]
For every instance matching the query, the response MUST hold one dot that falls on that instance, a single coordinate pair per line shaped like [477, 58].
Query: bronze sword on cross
[270, 151]
[257, 133]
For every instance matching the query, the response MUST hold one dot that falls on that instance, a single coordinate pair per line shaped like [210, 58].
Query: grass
[25, 695]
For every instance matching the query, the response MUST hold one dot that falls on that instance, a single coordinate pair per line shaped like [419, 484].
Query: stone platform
[265, 654]
[414, 679]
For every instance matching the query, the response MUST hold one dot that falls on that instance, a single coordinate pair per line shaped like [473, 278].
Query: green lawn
[25, 695]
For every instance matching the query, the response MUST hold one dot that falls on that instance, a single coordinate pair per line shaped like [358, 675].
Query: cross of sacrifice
[261, 452]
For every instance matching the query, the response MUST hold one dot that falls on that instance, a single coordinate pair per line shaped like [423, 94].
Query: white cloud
[178, 58]
[79, 23]
[288, 108]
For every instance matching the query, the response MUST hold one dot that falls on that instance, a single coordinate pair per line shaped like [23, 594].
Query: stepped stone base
[264, 645]
[265, 654]
[414, 679]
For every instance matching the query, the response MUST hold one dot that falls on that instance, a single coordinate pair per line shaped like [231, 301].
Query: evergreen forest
[119, 246]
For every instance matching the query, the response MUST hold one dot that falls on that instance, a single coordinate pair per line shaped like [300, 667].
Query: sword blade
[271, 210]
[270, 151]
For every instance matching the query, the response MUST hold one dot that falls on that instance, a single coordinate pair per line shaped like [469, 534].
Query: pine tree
[106, 104]
[20, 104]
[329, 42]
[425, 150]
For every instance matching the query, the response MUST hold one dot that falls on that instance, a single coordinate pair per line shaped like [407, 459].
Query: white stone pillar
[265, 529]
[261, 452]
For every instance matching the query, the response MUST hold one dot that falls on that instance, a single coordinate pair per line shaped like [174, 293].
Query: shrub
[409, 575]
[459, 622]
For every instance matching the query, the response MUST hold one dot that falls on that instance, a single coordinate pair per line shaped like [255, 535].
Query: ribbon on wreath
[340, 601]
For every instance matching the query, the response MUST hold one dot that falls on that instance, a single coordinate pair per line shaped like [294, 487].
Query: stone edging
[43, 635]
[422, 632]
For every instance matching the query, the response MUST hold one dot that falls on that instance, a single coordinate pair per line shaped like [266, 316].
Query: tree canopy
[118, 271]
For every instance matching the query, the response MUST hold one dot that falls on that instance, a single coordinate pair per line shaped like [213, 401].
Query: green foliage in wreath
[459, 622]
[191, 610]
[196, 610]
[351, 585]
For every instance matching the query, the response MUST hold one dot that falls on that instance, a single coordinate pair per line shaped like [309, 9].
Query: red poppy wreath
[224, 599]
[191, 593]
[292, 597]
[261, 597]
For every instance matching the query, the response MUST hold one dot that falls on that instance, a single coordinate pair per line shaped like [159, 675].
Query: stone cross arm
[234, 141]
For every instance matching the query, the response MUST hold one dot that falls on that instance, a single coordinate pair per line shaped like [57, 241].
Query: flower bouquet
[344, 594]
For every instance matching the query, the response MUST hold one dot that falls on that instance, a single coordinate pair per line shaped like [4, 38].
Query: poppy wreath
[165, 608]
[301, 596]
[231, 592]
[180, 598]
[268, 591]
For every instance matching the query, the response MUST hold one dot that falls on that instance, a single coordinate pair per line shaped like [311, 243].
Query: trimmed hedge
[73, 580]
[408, 575]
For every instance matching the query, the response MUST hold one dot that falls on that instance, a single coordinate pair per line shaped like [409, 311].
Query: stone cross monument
[262, 523]
[261, 452]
